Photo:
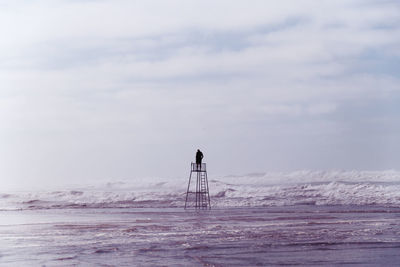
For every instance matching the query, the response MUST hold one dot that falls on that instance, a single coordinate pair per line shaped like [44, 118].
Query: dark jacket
[199, 157]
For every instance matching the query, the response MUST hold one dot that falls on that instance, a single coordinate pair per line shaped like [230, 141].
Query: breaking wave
[258, 189]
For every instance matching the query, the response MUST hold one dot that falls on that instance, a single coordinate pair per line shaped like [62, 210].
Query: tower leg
[208, 191]
[188, 188]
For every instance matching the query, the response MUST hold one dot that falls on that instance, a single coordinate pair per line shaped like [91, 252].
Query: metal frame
[202, 193]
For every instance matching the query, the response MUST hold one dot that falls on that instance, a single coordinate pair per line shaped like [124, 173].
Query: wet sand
[292, 235]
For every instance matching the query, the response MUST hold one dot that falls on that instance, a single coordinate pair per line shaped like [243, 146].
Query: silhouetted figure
[199, 157]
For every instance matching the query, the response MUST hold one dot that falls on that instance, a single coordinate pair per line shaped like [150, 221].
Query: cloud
[112, 77]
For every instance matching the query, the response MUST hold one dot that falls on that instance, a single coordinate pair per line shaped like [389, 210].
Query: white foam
[267, 189]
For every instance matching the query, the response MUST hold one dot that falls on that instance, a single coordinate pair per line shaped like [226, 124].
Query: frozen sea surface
[253, 236]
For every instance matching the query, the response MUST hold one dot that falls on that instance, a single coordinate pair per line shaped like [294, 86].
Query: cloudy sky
[113, 89]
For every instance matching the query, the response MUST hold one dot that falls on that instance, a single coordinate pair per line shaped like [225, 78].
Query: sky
[129, 90]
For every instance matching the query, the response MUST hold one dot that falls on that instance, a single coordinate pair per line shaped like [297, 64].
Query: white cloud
[322, 108]
[115, 75]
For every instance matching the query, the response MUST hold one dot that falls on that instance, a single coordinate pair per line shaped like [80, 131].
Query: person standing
[199, 158]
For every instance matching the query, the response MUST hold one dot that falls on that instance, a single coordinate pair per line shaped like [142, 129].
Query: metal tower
[198, 194]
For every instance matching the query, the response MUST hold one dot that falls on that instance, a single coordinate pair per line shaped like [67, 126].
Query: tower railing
[198, 167]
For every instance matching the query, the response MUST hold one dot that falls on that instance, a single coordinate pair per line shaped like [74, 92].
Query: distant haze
[129, 90]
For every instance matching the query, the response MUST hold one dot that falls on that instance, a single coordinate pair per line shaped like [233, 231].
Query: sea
[302, 218]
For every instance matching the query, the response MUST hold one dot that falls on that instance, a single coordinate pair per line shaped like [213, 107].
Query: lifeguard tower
[197, 195]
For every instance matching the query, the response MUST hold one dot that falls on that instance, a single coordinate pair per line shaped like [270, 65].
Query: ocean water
[264, 219]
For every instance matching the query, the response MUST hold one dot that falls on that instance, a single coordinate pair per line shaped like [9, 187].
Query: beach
[299, 218]
[295, 235]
